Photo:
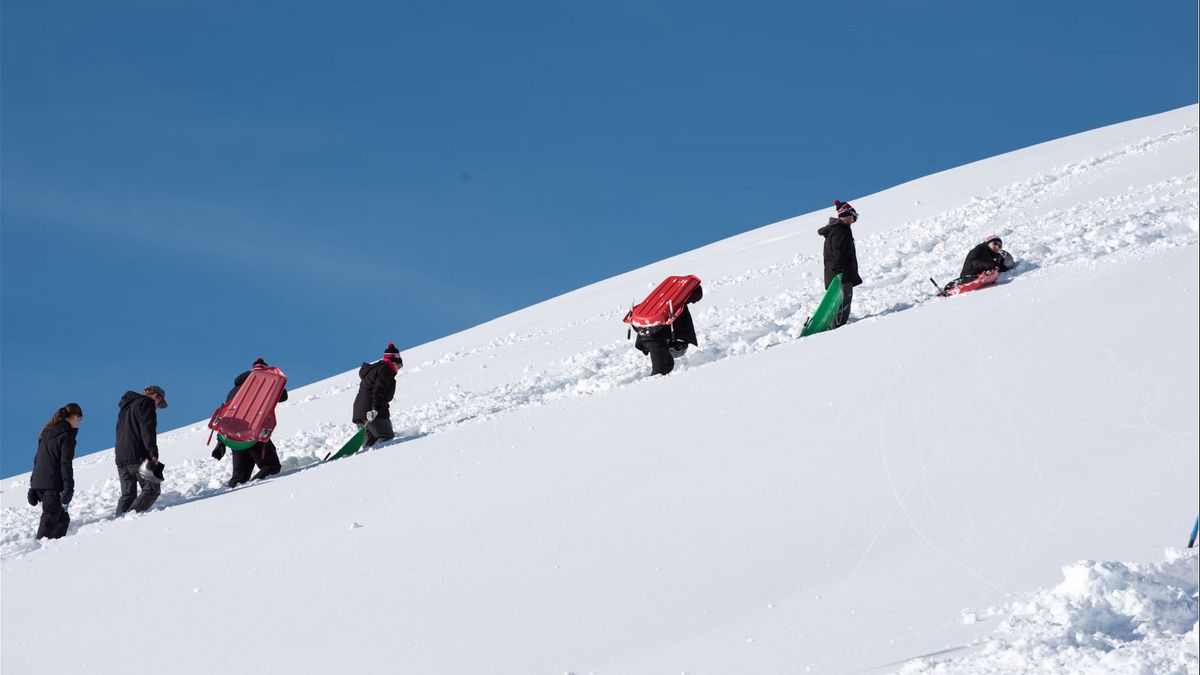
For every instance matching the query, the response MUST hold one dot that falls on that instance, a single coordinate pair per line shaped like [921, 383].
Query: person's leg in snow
[378, 429]
[128, 475]
[243, 464]
[266, 457]
[55, 518]
[150, 492]
[843, 314]
[661, 361]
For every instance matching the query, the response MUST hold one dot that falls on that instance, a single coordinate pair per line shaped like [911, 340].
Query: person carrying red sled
[841, 256]
[664, 324]
[261, 454]
[376, 388]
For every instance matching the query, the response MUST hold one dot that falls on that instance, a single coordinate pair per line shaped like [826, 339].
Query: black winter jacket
[840, 255]
[981, 259]
[375, 390]
[137, 429]
[684, 331]
[52, 464]
[240, 380]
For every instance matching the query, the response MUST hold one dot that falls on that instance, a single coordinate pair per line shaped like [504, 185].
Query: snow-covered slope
[832, 504]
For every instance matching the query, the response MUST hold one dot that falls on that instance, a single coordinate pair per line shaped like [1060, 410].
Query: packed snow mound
[1105, 617]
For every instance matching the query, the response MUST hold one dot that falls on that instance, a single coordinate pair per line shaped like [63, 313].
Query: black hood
[824, 231]
[129, 397]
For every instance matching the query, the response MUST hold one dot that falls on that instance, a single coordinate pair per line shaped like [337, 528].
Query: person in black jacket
[376, 387]
[137, 442]
[52, 482]
[841, 257]
[664, 344]
[985, 257]
[263, 455]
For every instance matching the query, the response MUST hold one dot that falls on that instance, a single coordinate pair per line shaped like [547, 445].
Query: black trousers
[843, 314]
[378, 429]
[130, 482]
[55, 518]
[263, 455]
[661, 361]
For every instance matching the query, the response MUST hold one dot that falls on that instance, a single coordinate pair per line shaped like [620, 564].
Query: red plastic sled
[664, 304]
[983, 280]
[249, 417]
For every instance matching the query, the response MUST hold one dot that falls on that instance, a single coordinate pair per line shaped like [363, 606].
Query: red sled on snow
[967, 284]
[664, 304]
[249, 417]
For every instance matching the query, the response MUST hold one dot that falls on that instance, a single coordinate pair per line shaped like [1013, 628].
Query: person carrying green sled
[376, 388]
[841, 257]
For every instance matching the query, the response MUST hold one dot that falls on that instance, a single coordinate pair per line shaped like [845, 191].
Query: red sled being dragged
[967, 284]
[664, 304]
[249, 417]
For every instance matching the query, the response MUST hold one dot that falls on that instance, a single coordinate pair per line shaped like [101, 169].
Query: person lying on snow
[664, 344]
[985, 257]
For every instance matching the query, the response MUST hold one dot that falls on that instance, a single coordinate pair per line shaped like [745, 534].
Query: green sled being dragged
[830, 305]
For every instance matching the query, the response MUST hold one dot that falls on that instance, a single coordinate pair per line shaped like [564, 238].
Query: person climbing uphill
[376, 388]
[841, 256]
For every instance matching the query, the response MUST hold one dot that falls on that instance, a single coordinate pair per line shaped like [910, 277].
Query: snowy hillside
[885, 497]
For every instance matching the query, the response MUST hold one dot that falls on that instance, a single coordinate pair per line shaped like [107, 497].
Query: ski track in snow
[895, 265]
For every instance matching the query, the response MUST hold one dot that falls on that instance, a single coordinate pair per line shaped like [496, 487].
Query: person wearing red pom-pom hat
[841, 257]
[376, 388]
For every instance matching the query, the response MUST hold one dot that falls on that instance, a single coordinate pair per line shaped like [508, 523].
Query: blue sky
[187, 186]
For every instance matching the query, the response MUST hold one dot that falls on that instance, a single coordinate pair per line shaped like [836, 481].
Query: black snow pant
[378, 429]
[130, 481]
[843, 314]
[661, 361]
[55, 518]
[262, 455]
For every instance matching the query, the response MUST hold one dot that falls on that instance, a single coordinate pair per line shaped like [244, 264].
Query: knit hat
[392, 355]
[844, 209]
[993, 237]
[260, 361]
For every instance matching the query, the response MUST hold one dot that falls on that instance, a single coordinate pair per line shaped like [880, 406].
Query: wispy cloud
[214, 230]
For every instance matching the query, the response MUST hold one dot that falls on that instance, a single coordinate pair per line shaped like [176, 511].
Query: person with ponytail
[376, 387]
[52, 483]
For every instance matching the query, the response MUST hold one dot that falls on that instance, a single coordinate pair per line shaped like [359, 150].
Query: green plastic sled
[352, 446]
[830, 305]
[236, 445]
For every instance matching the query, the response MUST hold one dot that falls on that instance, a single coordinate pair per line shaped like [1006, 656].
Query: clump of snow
[1105, 617]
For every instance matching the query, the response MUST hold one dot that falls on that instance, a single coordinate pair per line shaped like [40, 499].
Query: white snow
[1104, 617]
[887, 497]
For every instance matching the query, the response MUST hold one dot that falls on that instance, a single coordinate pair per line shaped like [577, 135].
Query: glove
[33, 497]
[219, 451]
[371, 415]
[67, 493]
